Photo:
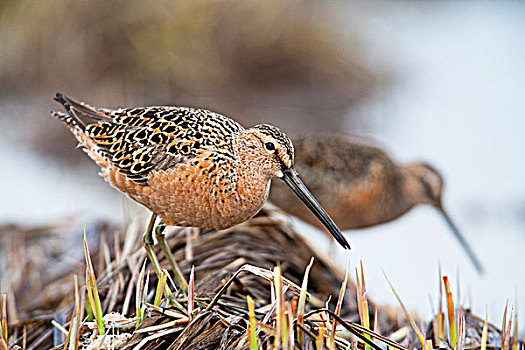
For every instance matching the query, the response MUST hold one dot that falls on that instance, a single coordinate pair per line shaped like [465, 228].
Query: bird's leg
[161, 238]
[148, 244]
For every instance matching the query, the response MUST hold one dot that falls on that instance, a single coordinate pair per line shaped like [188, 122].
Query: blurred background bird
[360, 186]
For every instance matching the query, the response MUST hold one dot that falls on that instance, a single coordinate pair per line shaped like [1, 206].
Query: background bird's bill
[466, 247]
[291, 178]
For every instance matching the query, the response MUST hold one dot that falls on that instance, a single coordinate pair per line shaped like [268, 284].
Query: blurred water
[457, 101]
[38, 189]
[460, 104]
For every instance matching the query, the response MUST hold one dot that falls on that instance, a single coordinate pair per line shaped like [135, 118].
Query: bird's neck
[413, 189]
[253, 180]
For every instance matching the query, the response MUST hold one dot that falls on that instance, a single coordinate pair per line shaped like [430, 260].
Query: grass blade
[364, 307]
[3, 313]
[252, 329]
[75, 326]
[302, 303]
[440, 316]
[338, 306]
[278, 319]
[91, 284]
[407, 314]
[60, 328]
[460, 341]
[515, 335]
[504, 327]
[451, 313]
[161, 287]
[67, 342]
[484, 333]
[319, 340]
[191, 293]
[138, 295]
[289, 326]
[359, 292]
[281, 329]
[508, 330]
[258, 271]
[358, 330]
[87, 305]
[72, 339]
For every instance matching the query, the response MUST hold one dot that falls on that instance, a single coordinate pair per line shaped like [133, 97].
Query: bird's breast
[202, 195]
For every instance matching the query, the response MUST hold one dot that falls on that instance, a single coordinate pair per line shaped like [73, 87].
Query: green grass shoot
[252, 329]
[91, 283]
[161, 287]
[139, 307]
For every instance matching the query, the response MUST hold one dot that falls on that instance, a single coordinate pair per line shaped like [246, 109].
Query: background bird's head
[426, 184]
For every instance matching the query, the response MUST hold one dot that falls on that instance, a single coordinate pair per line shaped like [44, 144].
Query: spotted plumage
[192, 167]
[138, 141]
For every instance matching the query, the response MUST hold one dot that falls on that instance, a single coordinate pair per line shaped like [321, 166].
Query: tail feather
[79, 114]
[70, 119]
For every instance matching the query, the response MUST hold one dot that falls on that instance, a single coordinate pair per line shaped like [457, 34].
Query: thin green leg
[161, 238]
[148, 244]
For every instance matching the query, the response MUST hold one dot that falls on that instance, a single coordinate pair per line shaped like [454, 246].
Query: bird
[189, 166]
[359, 185]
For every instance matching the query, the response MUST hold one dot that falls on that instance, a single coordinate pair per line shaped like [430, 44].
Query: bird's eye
[270, 147]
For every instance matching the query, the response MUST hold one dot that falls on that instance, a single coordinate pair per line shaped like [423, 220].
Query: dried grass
[228, 267]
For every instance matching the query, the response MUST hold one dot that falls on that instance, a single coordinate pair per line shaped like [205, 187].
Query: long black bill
[466, 247]
[292, 179]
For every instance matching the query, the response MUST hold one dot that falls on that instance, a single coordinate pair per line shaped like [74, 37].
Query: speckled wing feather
[138, 141]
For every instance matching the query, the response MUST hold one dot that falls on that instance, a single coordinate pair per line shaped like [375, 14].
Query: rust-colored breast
[196, 195]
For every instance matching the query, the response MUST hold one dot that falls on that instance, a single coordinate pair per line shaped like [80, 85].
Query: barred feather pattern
[139, 140]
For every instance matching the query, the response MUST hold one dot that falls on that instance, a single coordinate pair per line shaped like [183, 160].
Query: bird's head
[275, 149]
[427, 184]
[277, 153]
